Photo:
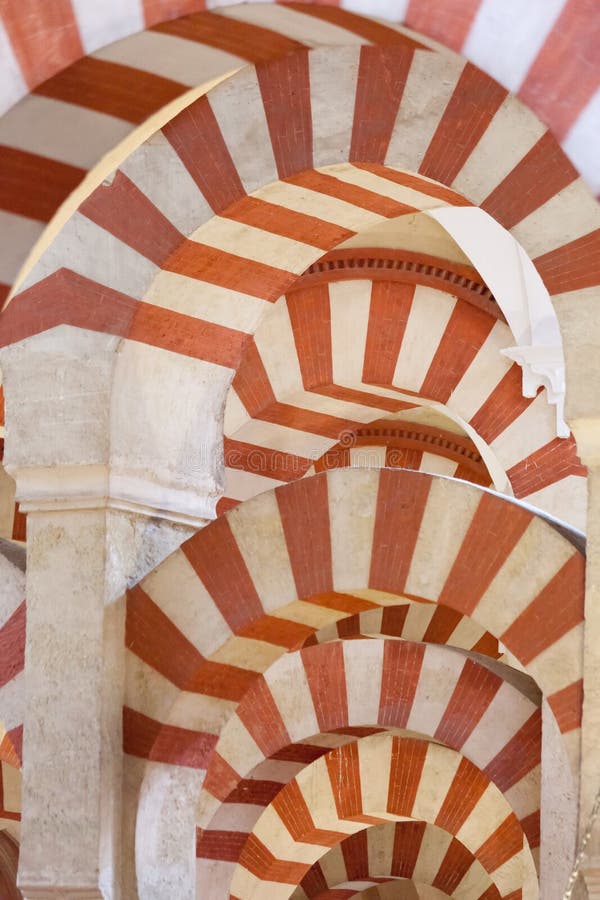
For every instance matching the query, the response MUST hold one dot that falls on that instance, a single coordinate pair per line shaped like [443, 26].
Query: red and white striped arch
[141, 221]
[329, 359]
[204, 295]
[248, 587]
[324, 689]
[416, 851]
[87, 108]
[412, 621]
[377, 779]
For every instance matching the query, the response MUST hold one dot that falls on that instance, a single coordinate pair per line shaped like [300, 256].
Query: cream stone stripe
[207, 632]
[427, 321]
[352, 520]
[158, 172]
[429, 86]
[493, 158]
[574, 210]
[439, 540]
[261, 541]
[507, 712]
[341, 70]
[349, 303]
[77, 136]
[484, 374]
[250, 149]
[206, 302]
[304, 28]
[171, 57]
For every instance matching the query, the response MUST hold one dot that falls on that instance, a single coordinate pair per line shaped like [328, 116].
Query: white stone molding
[521, 295]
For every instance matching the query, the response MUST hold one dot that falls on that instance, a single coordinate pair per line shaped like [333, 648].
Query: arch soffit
[317, 118]
[257, 552]
[344, 803]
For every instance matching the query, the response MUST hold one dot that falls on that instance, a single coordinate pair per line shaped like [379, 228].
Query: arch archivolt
[192, 270]
[204, 670]
[408, 851]
[209, 281]
[371, 781]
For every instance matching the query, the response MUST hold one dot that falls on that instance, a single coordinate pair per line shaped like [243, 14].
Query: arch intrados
[375, 802]
[376, 854]
[398, 673]
[430, 493]
[119, 199]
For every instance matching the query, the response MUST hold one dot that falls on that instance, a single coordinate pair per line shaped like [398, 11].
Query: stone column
[106, 440]
[587, 434]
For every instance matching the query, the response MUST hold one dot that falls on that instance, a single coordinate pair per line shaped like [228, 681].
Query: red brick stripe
[572, 267]
[408, 837]
[12, 645]
[374, 32]
[218, 562]
[326, 677]
[228, 270]
[555, 611]
[150, 739]
[304, 510]
[416, 183]
[293, 811]
[125, 211]
[447, 21]
[400, 507]
[107, 87]
[393, 619]
[408, 759]
[519, 756]
[285, 87]
[456, 863]
[249, 42]
[474, 691]
[196, 138]
[502, 406]
[153, 637]
[554, 87]
[388, 314]
[350, 193]
[287, 223]
[545, 466]
[541, 174]
[43, 36]
[402, 662]
[222, 845]
[489, 541]
[251, 382]
[473, 105]
[463, 337]
[467, 788]
[260, 861]
[506, 841]
[263, 460]
[382, 75]
[66, 298]
[310, 316]
[34, 186]
[344, 774]
[441, 625]
[567, 705]
[262, 718]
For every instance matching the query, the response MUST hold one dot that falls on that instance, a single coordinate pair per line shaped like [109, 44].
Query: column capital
[73, 487]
